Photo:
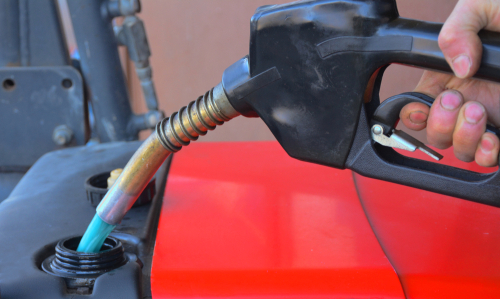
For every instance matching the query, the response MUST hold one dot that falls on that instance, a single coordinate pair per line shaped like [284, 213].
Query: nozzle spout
[135, 176]
[170, 136]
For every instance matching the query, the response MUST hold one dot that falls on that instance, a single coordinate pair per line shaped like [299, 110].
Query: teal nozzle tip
[94, 236]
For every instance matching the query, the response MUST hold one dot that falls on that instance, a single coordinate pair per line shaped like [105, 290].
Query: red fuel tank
[244, 220]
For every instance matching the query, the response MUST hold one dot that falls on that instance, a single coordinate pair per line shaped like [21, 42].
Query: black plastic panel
[50, 204]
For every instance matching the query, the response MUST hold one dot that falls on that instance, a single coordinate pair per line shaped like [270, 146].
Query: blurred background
[194, 41]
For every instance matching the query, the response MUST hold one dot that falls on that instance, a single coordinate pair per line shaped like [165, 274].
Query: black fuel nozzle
[313, 65]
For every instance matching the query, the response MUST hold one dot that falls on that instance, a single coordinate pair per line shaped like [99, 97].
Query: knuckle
[440, 127]
[466, 158]
[447, 38]
[439, 141]
[463, 154]
[442, 130]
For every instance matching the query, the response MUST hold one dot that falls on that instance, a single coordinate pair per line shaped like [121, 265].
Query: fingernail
[418, 117]
[474, 113]
[461, 66]
[487, 144]
[450, 100]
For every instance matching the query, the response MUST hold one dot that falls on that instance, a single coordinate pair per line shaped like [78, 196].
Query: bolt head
[154, 117]
[377, 130]
[62, 135]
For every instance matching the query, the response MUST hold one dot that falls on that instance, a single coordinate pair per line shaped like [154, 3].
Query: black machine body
[313, 65]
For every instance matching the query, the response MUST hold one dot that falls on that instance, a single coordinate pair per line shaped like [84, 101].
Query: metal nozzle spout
[170, 136]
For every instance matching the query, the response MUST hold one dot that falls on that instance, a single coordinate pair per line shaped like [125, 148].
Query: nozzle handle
[373, 160]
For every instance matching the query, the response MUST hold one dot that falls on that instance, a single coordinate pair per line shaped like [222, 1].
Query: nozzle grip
[373, 160]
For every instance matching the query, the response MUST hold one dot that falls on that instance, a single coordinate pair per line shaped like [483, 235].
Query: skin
[463, 106]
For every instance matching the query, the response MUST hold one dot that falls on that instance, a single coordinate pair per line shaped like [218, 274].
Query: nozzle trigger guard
[384, 119]
[387, 112]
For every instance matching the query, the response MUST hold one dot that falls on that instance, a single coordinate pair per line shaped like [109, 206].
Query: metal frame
[33, 36]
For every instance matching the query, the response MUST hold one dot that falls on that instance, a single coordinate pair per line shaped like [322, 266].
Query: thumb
[458, 39]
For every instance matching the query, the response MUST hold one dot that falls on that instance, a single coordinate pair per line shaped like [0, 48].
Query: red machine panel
[244, 220]
[441, 247]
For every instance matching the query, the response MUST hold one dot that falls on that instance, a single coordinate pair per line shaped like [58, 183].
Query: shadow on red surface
[441, 247]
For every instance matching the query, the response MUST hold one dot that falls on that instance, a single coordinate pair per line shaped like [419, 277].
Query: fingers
[458, 39]
[470, 127]
[414, 116]
[443, 118]
[433, 83]
[487, 150]
[452, 121]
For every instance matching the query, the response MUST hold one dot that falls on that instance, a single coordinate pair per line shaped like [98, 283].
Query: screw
[377, 130]
[62, 135]
[152, 120]
[153, 117]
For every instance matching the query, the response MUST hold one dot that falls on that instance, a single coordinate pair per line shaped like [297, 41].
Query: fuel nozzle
[171, 134]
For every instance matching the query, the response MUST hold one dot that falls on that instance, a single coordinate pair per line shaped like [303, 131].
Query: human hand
[463, 106]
